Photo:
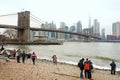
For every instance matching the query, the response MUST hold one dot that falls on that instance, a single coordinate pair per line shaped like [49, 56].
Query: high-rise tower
[79, 27]
[96, 28]
[89, 26]
[116, 29]
[103, 33]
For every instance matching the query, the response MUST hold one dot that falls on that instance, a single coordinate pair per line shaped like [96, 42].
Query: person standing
[18, 54]
[81, 66]
[88, 68]
[54, 57]
[14, 53]
[113, 68]
[33, 57]
[23, 56]
[91, 67]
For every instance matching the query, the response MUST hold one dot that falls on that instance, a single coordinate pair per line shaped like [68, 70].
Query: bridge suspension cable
[9, 19]
[8, 15]
[36, 19]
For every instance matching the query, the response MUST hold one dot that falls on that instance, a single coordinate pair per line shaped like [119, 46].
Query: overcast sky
[68, 11]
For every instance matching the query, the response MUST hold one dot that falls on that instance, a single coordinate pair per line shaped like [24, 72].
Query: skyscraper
[96, 28]
[89, 26]
[52, 35]
[116, 29]
[72, 29]
[62, 27]
[79, 27]
[103, 33]
[45, 26]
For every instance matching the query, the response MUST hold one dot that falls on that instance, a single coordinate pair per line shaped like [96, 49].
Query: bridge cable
[37, 18]
[8, 14]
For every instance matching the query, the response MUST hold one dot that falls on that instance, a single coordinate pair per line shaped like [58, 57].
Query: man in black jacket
[113, 67]
[81, 66]
[23, 56]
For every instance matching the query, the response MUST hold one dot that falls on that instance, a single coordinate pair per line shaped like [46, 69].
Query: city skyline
[68, 11]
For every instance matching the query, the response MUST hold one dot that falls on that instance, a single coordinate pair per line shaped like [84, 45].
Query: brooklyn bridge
[24, 28]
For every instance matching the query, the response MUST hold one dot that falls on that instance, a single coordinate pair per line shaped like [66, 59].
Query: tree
[11, 33]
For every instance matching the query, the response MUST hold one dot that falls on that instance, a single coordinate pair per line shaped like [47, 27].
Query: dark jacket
[23, 55]
[113, 65]
[80, 64]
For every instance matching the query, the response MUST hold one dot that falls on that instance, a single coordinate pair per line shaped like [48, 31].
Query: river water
[100, 54]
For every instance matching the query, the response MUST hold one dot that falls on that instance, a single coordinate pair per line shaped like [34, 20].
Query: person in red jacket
[88, 67]
[33, 57]
[14, 53]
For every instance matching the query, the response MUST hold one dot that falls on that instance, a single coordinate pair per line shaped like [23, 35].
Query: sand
[46, 70]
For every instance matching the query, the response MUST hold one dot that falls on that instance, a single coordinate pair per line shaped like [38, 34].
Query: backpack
[87, 66]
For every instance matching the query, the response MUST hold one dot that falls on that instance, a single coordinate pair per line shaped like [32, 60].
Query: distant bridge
[24, 27]
[50, 30]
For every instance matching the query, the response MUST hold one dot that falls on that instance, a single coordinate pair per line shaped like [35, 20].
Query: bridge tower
[24, 24]
[87, 32]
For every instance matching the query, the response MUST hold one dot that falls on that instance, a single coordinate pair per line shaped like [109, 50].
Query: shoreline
[47, 70]
[75, 64]
[32, 43]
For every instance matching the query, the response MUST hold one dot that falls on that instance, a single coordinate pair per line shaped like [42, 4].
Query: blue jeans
[113, 71]
[81, 74]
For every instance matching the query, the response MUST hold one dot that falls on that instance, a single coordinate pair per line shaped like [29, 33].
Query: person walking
[23, 56]
[113, 68]
[33, 57]
[81, 66]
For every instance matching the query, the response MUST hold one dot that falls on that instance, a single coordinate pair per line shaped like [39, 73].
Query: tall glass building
[79, 28]
[96, 28]
[116, 29]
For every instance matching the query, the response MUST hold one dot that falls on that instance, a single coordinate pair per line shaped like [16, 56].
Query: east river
[99, 53]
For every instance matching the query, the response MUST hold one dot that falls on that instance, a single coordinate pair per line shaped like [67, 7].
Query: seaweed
[105, 58]
[118, 72]
[72, 55]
